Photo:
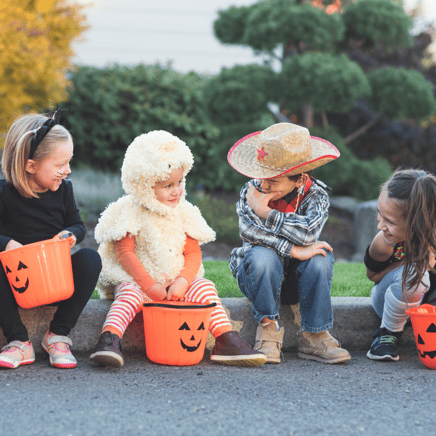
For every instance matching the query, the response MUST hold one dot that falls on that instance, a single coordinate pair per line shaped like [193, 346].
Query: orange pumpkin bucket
[424, 327]
[40, 273]
[176, 331]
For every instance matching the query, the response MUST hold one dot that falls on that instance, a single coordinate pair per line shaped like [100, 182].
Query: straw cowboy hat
[279, 149]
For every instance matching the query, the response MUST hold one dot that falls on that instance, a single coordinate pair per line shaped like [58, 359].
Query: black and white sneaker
[108, 351]
[384, 345]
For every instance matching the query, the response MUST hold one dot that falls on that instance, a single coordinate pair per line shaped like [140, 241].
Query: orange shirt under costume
[125, 250]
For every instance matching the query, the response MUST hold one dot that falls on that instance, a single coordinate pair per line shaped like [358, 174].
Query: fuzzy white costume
[160, 231]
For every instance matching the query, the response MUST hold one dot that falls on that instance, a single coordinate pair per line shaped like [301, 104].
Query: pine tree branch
[363, 129]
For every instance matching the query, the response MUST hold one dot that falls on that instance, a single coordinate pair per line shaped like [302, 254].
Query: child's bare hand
[66, 232]
[258, 201]
[303, 253]
[177, 290]
[12, 245]
[158, 291]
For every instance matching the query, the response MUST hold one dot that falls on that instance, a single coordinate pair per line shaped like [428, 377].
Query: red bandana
[282, 206]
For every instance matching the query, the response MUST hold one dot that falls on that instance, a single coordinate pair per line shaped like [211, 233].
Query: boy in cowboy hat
[281, 215]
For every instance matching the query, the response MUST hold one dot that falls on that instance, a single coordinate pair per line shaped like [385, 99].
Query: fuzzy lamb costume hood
[160, 231]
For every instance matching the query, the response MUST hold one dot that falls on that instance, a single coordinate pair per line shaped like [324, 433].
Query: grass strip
[349, 280]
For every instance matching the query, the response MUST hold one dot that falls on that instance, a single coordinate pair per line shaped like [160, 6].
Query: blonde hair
[17, 149]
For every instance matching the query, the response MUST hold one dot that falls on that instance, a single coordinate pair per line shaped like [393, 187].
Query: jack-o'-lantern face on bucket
[19, 278]
[426, 344]
[188, 343]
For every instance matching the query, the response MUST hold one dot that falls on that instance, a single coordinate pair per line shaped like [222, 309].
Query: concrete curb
[354, 323]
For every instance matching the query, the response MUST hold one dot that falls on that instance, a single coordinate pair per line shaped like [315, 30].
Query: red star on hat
[261, 154]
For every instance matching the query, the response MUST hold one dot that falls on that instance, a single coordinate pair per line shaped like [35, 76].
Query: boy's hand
[177, 290]
[12, 245]
[158, 291]
[303, 253]
[258, 201]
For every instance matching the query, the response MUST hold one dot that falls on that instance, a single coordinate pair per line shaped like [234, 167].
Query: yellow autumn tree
[35, 53]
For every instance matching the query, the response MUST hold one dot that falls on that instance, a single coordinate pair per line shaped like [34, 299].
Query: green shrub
[400, 93]
[378, 21]
[220, 216]
[272, 23]
[237, 102]
[229, 27]
[240, 94]
[349, 175]
[326, 82]
[108, 107]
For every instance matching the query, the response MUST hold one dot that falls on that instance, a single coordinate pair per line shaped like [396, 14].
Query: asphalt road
[296, 398]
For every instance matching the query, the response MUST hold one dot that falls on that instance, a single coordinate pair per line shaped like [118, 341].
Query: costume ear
[31, 166]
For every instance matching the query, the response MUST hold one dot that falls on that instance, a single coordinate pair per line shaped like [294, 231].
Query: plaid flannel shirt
[281, 231]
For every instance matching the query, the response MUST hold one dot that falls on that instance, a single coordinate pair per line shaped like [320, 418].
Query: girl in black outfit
[37, 203]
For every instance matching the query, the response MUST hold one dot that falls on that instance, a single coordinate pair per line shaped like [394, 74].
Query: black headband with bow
[42, 131]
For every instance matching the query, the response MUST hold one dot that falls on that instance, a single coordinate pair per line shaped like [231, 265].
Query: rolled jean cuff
[318, 329]
[259, 317]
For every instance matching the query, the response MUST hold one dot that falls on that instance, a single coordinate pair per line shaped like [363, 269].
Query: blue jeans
[393, 280]
[260, 277]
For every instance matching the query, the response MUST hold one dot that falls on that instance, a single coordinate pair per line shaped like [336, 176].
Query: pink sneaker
[17, 353]
[58, 349]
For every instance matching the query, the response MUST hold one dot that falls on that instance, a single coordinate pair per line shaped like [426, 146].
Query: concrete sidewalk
[354, 323]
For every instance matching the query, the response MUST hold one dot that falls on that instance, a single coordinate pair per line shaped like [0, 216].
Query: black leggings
[86, 269]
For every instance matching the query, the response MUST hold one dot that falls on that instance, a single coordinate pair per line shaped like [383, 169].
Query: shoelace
[388, 339]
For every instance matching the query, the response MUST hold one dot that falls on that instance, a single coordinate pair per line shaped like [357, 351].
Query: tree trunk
[307, 115]
[363, 129]
[325, 121]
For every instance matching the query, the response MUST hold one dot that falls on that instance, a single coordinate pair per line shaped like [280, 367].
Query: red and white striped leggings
[129, 299]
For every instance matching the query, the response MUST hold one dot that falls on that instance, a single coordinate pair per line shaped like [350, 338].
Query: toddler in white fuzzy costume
[150, 247]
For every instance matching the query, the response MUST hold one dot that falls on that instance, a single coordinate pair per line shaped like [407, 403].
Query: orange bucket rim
[35, 244]
[180, 305]
[415, 313]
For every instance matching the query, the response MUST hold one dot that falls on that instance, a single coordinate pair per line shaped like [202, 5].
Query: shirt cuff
[286, 250]
[4, 241]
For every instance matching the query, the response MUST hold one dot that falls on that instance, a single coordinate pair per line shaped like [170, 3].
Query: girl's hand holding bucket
[12, 245]
[66, 234]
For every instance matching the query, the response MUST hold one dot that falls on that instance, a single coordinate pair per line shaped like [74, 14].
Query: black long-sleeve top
[28, 220]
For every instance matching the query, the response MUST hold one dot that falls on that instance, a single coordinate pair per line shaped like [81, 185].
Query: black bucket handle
[187, 306]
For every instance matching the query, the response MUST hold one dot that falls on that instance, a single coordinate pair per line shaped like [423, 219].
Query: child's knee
[263, 261]
[320, 264]
[202, 290]
[87, 259]
[416, 294]
[129, 293]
